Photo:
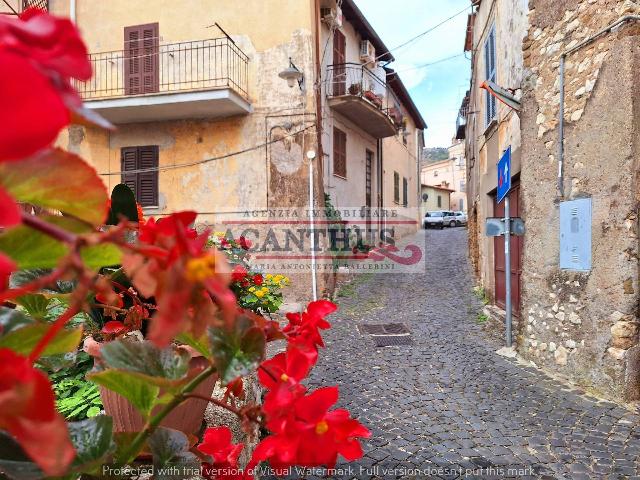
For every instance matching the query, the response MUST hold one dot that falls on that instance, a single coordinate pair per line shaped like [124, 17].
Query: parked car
[434, 219]
[455, 219]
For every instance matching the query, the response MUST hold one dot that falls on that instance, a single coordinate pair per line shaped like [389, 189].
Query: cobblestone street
[448, 403]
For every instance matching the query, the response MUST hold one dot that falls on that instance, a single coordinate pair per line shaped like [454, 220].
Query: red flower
[27, 411]
[7, 266]
[235, 389]
[245, 243]
[238, 273]
[182, 275]
[313, 436]
[140, 212]
[42, 53]
[9, 210]
[257, 279]
[304, 328]
[217, 444]
[109, 297]
[114, 328]
[290, 366]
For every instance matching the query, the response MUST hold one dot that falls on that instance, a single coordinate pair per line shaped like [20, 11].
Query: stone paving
[448, 406]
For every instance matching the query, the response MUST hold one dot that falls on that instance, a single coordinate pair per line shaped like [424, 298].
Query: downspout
[72, 10]
[582, 44]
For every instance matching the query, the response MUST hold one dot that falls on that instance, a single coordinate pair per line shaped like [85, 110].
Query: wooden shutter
[141, 65]
[490, 73]
[148, 181]
[339, 72]
[143, 184]
[396, 187]
[367, 178]
[129, 162]
[404, 191]
[339, 153]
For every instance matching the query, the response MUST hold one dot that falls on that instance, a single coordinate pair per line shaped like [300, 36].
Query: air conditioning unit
[367, 52]
[332, 16]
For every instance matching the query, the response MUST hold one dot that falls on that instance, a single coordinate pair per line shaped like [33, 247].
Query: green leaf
[160, 366]
[22, 277]
[14, 462]
[123, 203]
[35, 304]
[24, 339]
[93, 411]
[11, 319]
[58, 180]
[93, 441]
[31, 249]
[171, 456]
[238, 352]
[134, 388]
[200, 345]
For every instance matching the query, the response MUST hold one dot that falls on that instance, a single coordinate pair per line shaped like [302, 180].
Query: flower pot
[186, 417]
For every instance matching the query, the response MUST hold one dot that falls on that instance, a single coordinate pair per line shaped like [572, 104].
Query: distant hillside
[435, 154]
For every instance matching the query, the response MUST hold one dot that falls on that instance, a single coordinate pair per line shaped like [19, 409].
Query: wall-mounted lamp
[292, 74]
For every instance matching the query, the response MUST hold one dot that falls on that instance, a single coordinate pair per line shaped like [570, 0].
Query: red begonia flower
[312, 436]
[257, 279]
[9, 210]
[304, 328]
[7, 266]
[245, 243]
[27, 411]
[290, 366]
[114, 327]
[32, 107]
[238, 273]
[217, 443]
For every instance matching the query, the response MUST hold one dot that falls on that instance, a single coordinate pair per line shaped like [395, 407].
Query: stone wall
[582, 325]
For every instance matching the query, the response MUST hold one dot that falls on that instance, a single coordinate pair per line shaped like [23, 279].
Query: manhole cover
[392, 340]
[384, 329]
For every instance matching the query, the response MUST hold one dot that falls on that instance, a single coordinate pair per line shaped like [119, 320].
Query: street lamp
[292, 75]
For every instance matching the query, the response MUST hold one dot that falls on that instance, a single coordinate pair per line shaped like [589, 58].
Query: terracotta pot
[186, 417]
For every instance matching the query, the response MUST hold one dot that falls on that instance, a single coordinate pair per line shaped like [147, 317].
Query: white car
[455, 219]
[434, 219]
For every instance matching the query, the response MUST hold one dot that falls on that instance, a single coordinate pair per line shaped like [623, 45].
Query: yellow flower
[200, 268]
[252, 289]
[278, 278]
[219, 234]
[259, 294]
[264, 289]
[269, 276]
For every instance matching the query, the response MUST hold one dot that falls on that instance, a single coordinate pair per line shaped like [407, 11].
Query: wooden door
[516, 255]
[141, 64]
[339, 71]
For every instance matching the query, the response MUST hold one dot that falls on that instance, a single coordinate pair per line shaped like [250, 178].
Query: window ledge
[339, 176]
[493, 124]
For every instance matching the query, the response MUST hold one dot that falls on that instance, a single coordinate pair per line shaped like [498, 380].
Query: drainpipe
[72, 10]
[591, 39]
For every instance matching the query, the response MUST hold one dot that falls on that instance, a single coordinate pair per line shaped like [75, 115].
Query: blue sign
[504, 174]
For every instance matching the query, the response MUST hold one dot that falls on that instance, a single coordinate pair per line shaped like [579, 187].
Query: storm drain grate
[384, 329]
[392, 340]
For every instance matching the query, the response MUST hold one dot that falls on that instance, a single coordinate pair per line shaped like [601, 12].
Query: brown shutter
[148, 181]
[129, 161]
[143, 184]
[141, 66]
[339, 153]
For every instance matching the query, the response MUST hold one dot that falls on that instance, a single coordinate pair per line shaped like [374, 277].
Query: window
[396, 187]
[461, 204]
[490, 73]
[439, 201]
[462, 186]
[143, 184]
[141, 65]
[404, 191]
[339, 153]
[435, 173]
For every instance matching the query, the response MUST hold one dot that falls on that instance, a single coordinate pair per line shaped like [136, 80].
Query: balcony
[150, 82]
[461, 121]
[359, 95]
[41, 4]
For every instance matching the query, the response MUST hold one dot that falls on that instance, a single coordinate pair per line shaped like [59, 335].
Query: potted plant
[355, 89]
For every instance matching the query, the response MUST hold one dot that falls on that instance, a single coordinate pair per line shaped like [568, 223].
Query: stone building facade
[451, 174]
[582, 324]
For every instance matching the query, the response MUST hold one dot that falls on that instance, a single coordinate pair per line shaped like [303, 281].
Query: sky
[437, 90]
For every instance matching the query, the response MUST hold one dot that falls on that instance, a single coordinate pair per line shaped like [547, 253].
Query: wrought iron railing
[41, 4]
[461, 121]
[184, 66]
[357, 80]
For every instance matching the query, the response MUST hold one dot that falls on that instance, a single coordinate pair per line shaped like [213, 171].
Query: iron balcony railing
[41, 4]
[147, 68]
[461, 121]
[355, 79]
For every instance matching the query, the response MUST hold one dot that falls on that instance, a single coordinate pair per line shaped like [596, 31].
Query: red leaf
[9, 210]
[114, 327]
[34, 111]
[27, 411]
